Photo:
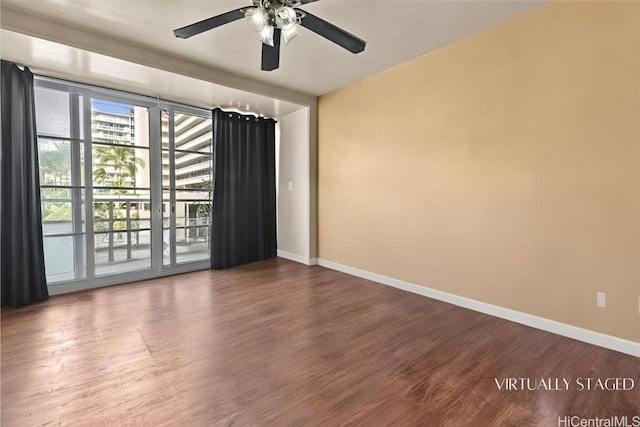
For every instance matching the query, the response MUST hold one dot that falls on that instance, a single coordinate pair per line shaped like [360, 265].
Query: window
[106, 160]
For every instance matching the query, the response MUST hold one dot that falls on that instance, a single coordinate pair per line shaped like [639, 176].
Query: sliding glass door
[125, 183]
[121, 205]
[187, 156]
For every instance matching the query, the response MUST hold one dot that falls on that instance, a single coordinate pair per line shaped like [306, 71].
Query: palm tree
[100, 175]
[124, 162]
[55, 165]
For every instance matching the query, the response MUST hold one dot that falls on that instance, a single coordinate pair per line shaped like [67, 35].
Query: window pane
[166, 212]
[117, 212]
[122, 251]
[120, 167]
[58, 160]
[192, 133]
[59, 258]
[192, 227]
[56, 218]
[192, 243]
[54, 159]
[52, 112]
[59, 205]
[119, 123]
[193, 171]
[55, 194]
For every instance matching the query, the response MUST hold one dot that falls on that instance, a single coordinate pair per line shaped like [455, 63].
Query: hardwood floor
[277, 344]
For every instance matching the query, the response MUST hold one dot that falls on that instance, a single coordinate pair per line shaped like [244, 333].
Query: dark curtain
[244, 198]
[22, 275]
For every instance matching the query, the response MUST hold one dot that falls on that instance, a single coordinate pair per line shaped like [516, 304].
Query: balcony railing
[126, 225]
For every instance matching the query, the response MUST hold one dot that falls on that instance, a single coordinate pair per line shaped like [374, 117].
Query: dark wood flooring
[280, 344]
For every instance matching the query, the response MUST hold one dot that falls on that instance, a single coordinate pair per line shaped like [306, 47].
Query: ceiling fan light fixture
[266, 35]
[257, 18]
[290, 34]
[286, 18]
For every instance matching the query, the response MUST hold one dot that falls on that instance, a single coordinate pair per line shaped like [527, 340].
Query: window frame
[80, 138]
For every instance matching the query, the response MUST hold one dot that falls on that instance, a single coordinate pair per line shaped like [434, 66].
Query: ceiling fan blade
[333, 33]
[307, 1]
[271, 55]
[209, 24]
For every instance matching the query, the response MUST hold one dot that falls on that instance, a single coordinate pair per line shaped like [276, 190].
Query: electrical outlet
[290, 185]
[601, 299]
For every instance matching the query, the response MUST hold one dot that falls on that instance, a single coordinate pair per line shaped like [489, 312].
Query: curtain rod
[244, 113]
[17, 64]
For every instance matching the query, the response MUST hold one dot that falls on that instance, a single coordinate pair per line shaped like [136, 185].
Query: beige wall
[504, 167]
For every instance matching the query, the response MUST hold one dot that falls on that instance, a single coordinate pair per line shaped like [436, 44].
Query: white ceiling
[65, 62]
[395, 30]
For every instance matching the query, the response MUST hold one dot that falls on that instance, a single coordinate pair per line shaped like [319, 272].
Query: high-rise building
[115, 123]
[112, 127]
[193, 148]
[119, 124]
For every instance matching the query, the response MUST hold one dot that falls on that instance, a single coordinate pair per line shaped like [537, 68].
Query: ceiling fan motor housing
[280, 13]
[275, 4]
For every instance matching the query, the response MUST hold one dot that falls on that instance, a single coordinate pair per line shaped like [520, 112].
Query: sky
[111, 106]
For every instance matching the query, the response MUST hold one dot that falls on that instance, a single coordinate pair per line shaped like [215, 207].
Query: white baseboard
[574, 332]
[297, 258]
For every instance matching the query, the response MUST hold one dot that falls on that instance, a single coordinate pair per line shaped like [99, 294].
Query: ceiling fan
[273, 20]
